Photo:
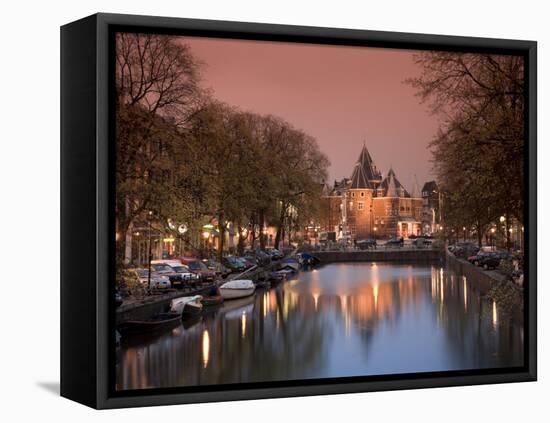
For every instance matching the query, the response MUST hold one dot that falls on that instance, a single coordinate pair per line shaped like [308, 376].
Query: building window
[353, 194]
[360, 205]
[402, 208]
[362, 194]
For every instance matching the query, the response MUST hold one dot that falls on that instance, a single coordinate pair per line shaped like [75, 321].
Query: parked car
[199, 268]
[274, 253]
[233, 264]
[217, 267]
[421, 242]
[164, 269]
[262, 258]
[158, 281]
[489, 261]
[464, 249]
[395, 242]
[365, 244]
[187, 277]
[248, 261]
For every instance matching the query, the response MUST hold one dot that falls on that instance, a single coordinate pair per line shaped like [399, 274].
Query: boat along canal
[336, 320]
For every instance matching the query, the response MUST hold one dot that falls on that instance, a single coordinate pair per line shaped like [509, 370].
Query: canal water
[342, 319]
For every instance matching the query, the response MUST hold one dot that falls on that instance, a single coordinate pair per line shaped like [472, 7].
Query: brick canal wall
[148, 306]
[398, 255]
[484, 279]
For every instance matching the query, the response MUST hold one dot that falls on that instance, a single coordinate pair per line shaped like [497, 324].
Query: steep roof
[364, 172]
[392, 187]
[429, 186]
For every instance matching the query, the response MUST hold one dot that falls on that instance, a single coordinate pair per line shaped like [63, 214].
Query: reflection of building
[368, 205]
[431, 215]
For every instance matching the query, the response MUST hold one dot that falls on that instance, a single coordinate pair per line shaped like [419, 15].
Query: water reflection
[341, 320]
[205, 348]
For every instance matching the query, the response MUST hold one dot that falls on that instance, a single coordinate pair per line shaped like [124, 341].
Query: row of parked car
[486, 257]
[185, 272]
[251, 258]
[417, 241]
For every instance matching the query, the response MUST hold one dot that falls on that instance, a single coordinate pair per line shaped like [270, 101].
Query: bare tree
[479, 148]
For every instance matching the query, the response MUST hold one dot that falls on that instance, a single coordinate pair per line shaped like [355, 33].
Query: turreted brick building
[368, 205]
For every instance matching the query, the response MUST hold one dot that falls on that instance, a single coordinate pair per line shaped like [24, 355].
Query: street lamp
[493, 237]
[464, 229]
[149, 219]
[375, 229]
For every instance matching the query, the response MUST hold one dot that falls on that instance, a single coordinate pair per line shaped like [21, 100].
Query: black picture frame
[87, 193]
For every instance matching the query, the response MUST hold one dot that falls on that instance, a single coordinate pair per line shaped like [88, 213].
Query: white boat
[292, 265]
[238, 288]
[187, 306]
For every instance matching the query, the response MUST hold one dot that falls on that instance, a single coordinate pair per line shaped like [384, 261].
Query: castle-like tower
[359, 196]
[369, 206]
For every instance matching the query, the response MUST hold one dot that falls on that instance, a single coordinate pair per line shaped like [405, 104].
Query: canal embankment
[147, 306]
[493, 284]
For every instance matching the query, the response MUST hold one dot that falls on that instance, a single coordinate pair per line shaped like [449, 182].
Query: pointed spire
[415, 193]
[392, 186]
[364, 174]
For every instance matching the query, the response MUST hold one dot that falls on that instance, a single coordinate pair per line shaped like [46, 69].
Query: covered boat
[306, 259]
[156, 323]
[212, 300]
[291, 264]
[187, 306]
[238, 288]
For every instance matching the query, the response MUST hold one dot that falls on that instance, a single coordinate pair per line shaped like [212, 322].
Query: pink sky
[339, 95]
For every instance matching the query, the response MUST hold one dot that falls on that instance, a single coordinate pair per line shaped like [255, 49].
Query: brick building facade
[370, 206]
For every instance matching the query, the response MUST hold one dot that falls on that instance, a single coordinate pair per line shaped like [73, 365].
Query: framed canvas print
[256, 211]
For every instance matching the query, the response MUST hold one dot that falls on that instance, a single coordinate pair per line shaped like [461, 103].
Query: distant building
[368, 205]
[431, 208]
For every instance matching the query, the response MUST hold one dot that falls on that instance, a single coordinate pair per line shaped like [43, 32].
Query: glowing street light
[149, 220]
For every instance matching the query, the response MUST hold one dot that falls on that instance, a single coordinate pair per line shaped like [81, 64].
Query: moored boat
[212, 300]
[187, 306]
[156, 323]
[306, 259]
[237, 289]
[290, 264]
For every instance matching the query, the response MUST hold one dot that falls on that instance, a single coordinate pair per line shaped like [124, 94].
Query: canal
[341, 319]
